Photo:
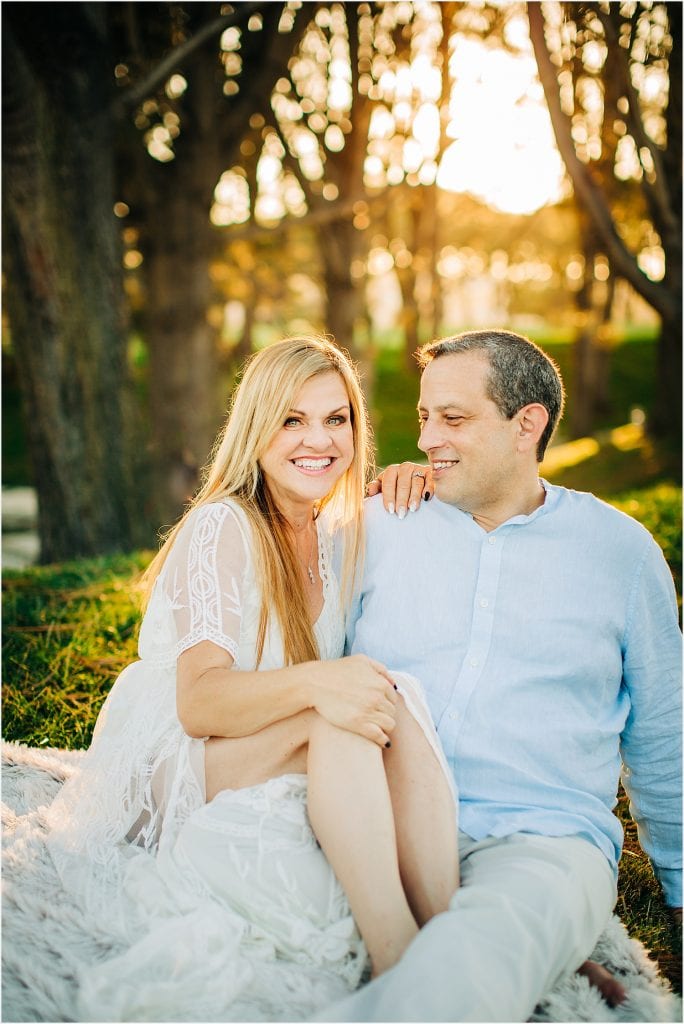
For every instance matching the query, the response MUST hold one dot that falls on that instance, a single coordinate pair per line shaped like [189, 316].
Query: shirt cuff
[671, 881]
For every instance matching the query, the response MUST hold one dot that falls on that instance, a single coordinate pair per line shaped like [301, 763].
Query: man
[543, 625]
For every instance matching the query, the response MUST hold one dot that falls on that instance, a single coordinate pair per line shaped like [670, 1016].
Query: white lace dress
[225, 910]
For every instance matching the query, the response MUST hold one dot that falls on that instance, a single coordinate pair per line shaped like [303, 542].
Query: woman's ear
[532, 420]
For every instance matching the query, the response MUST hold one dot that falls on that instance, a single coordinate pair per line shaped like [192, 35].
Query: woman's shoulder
[221, 513]
[215, 530]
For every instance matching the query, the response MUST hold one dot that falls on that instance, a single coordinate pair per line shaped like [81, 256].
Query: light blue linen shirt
[550, 654]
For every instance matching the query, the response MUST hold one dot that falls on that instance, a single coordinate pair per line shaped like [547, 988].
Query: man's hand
[402, 486]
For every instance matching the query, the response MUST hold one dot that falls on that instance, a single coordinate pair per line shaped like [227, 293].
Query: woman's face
[315, 445]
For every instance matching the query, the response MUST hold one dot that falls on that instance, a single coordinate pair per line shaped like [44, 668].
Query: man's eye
[453, 419]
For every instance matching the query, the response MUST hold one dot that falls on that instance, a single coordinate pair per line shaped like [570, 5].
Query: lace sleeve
[203, 579]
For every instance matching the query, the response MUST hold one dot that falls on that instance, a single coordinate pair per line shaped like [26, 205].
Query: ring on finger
[418, 473]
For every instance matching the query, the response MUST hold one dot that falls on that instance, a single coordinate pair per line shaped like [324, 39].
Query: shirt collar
[551, 496]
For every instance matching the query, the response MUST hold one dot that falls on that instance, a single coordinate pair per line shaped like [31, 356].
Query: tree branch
[622, 259]
[177, 57]
[659, 189]
[319, 217]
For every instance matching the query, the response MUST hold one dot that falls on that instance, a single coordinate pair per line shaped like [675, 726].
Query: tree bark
[63, 267]
[664, 296]
[179, 243]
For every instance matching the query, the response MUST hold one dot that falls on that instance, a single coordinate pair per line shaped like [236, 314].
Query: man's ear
[531, 422]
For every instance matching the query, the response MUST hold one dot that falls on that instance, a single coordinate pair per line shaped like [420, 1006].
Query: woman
[190, 811]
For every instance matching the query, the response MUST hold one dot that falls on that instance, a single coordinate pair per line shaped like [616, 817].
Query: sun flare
[503, 150]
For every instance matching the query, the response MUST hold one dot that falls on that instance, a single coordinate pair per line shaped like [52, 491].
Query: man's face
[470, 444]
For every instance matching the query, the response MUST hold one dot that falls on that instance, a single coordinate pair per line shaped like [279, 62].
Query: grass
[68, 630]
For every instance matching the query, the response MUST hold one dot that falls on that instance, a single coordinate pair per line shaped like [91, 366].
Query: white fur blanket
[47, 939]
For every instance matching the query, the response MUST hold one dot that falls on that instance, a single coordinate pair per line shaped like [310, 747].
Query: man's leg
[529, 909]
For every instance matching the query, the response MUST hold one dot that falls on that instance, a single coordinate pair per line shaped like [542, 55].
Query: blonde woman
[250, 794]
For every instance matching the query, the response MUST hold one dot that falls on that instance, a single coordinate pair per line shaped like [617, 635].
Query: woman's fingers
[376, 735]
[410, 485]
[385, 673]
[403, 485]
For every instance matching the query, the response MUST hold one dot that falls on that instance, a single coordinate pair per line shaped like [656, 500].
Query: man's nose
[429, 436]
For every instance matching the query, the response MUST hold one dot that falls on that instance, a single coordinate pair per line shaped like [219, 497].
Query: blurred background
[185, 183]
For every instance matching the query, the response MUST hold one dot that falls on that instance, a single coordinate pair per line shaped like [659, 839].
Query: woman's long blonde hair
[271, 381]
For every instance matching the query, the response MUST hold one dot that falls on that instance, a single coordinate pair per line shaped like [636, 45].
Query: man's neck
[523, 503]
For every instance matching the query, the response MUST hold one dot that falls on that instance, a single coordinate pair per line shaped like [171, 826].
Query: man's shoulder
[429, 513]
[591, 514]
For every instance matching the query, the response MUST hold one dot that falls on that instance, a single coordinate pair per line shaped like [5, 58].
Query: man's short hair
[520, 373]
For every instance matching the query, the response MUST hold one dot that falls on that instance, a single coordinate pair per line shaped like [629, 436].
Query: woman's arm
[213, 699]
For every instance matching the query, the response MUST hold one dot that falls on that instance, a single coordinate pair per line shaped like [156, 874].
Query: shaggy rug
[47, 940]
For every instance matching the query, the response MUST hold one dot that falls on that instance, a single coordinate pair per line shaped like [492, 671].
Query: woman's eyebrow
[340, 408]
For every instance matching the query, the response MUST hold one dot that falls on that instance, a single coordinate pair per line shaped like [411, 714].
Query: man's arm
[651, 739]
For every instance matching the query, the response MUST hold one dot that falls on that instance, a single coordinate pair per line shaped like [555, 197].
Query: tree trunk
[345, 301]
[666, 417]
[185, 409]
[664, 200]
[63, 267]
[591, 356]
[179, 242]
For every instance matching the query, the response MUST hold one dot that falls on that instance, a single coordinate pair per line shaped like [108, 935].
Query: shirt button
[491, 540]
[474, 662]
[484, 602]
[453, 716]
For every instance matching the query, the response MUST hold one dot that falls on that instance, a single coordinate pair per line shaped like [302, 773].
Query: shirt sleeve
[651, 739]
[204, 579]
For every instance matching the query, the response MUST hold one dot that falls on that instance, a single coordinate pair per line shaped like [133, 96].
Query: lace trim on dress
[324, 555]
[199, 634]
[201, 587]
[329, 628]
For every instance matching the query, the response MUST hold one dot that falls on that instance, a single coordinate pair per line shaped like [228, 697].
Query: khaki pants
[529, 909]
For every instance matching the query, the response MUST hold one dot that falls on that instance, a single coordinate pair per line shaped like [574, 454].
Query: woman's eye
[336, 421]
[291, 421]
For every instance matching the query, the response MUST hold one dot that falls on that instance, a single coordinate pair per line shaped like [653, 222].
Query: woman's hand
[356, 694]
[403, 485]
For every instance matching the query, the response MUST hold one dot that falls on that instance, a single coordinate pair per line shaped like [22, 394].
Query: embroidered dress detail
[225, 910]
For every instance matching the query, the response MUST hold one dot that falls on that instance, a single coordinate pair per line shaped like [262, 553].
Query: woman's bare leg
[250, 760]
[425, 820]
[351, 814]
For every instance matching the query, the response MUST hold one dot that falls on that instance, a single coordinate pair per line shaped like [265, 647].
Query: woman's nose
[317, 436]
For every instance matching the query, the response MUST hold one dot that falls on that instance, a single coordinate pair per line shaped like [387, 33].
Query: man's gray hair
[520, 373]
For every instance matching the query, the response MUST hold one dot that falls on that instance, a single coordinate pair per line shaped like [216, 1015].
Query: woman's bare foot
[609, 987]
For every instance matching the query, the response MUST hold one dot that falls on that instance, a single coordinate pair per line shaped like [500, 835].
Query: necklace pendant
[311, 575]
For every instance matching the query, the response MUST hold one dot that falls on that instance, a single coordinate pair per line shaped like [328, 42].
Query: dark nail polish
[427, 495]
[395, 686]
[388, 744]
